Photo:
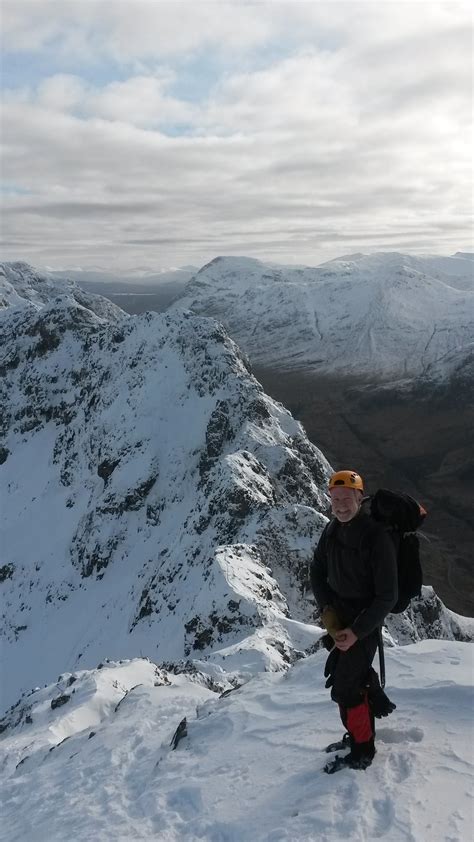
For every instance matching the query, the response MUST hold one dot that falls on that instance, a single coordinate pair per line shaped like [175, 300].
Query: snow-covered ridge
[82, 701]
[385, 315]
[172, 507]
[21, 285]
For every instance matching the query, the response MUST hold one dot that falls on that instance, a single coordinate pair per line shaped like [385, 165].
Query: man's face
[345, 502]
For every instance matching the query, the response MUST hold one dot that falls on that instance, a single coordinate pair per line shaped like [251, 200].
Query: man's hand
[345, 639]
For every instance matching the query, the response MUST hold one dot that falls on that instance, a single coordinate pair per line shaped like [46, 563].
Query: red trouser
[358, 721]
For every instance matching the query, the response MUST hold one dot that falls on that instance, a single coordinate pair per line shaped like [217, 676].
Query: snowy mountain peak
[386, 315]
[22, 285]
[230, 272]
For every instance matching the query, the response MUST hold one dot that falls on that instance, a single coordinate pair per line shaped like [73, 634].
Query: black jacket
[355, 569]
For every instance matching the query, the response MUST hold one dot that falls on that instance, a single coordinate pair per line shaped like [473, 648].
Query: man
[354, 580]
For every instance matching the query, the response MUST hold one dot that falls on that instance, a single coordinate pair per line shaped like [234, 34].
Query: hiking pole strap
[381, 659]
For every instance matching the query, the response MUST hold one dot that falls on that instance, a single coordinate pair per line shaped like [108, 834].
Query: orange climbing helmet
[349, 479]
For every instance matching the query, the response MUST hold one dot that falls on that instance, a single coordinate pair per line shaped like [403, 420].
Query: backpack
[402, 516]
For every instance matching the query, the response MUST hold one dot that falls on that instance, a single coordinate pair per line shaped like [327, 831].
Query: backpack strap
[381, 658]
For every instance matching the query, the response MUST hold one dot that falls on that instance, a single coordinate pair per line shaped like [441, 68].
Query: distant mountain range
[388, 316]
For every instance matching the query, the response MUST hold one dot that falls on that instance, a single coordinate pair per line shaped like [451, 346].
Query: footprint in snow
[186, 801]
[384, 815]
[400, 767]
[411, 735]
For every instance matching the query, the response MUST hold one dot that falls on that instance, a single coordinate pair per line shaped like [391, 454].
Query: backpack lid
[399, 511]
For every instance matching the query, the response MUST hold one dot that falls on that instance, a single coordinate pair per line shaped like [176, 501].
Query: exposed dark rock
[233, 606]
[218, 432]
[49, 341]
[203, 632]
[240, 502]
[59, 701]
[258, 410]
[99, 559]
[146, 607]
[181, 731]
[6, 572]
[106, 468]
[117, 505]
[153, 513]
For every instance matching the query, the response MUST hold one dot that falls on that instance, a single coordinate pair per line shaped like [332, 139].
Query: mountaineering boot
[348, 761]
[339, 745]
[359, 757]
[335, 765]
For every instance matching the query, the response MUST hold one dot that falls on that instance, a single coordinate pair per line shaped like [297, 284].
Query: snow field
[249, 769]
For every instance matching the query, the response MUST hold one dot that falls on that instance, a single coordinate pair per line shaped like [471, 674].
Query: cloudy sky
[158, 133]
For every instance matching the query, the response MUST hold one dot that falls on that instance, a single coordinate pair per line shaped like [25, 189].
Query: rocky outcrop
[427, 617]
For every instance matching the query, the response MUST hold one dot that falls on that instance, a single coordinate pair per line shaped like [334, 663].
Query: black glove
[378, 699]
[330, 667]
[327, 642]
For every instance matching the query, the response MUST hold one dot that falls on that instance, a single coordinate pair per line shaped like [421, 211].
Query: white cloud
[138, 101]
[129, 29]
[360, 139]
[141, 101]
[61, 92]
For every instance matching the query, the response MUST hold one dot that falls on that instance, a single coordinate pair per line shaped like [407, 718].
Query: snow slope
[386, 315]
[249, 769]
